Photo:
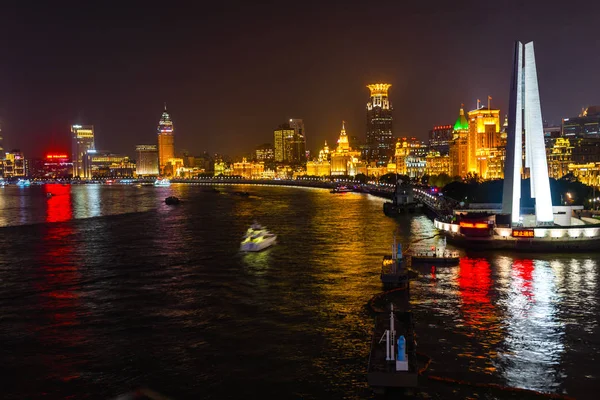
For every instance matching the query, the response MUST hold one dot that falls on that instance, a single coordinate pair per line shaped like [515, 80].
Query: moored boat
[436, 255]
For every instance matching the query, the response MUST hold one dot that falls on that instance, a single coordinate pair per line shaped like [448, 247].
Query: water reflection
[534, 333]
[59, 203]
[58, 285]
[88, 202]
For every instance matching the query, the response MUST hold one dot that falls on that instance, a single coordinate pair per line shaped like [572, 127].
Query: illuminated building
[283, 139]
[483, 138]
[174, 167]
[15, 164]
[440, 138]
[525, 115]
[587, 124]
[588, 173]
[409, 158]
[344, 158]
[55, 165]
[559, 157]
[103, 164]
[380, 141]
[249, 170]
[321, 166]
[166, 141]
[1, 155]
[437, 164]
[265, 152]
[298, 143]
[459, 146]
[82, 141]
[147, 159]
[222, 168]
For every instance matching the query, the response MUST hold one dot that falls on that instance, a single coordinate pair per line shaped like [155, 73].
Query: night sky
[231, 72]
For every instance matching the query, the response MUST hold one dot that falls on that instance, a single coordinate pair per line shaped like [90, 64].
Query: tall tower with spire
[380, 141]
[166, 141]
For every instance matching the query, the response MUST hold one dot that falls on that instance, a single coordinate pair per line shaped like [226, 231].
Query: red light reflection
[58, 284]
[59, 203]
[474, 284]
[523, 272]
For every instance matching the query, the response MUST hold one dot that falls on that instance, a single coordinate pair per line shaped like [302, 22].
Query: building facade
[265, 152]
[249, 170]
[483, 139]
[586, 124]
[560, 155]
[147, 160]
[298, 143]
[166, 141]
[15, 164]
[344, 159]
[379, 145]
[437, 163]
[82, 142]
[459, 146]
[283, 137]
[103, 164]
[440, 137]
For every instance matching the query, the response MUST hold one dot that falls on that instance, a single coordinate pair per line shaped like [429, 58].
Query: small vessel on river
[393, 268]
[436, 255]
[341, 189]
[162, 182]
[257, 238]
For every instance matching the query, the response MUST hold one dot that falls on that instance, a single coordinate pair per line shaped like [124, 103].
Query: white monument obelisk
[525, 116]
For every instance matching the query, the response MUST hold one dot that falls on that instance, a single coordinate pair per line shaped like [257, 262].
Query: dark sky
[230, 72]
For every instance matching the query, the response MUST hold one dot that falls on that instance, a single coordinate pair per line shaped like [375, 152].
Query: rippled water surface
[105, 288]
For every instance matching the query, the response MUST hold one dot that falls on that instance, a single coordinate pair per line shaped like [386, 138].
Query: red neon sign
[56, 156]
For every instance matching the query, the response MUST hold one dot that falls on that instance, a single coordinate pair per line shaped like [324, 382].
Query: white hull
[258, 246]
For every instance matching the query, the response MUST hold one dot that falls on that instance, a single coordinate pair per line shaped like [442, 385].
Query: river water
[105, 288]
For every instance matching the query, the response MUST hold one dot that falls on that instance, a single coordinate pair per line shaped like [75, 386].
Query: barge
[393, 357]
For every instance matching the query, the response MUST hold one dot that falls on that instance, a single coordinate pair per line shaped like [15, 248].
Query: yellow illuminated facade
[14, 164]
[559, 157]
[249, 170]
[459, 146]
[588, 173]
[409, 158]
[106, 164]
[166, 143]
[344, 159]
[321, 166]
[483, 139]
[437, 164]
[82, 142]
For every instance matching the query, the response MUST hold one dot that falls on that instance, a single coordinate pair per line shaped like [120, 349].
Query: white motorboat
[162, 182]
[257, 238]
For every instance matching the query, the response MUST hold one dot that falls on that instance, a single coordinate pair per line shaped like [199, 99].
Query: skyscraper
[283, 139]
[525, 116]
[82, 142]
[147, 159]
[298, 145]
[380, 141]
[166, 140]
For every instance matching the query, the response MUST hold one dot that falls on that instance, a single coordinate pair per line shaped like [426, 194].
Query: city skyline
[232, 104]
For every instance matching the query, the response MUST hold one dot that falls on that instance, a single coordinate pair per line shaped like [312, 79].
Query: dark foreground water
[105, 288]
